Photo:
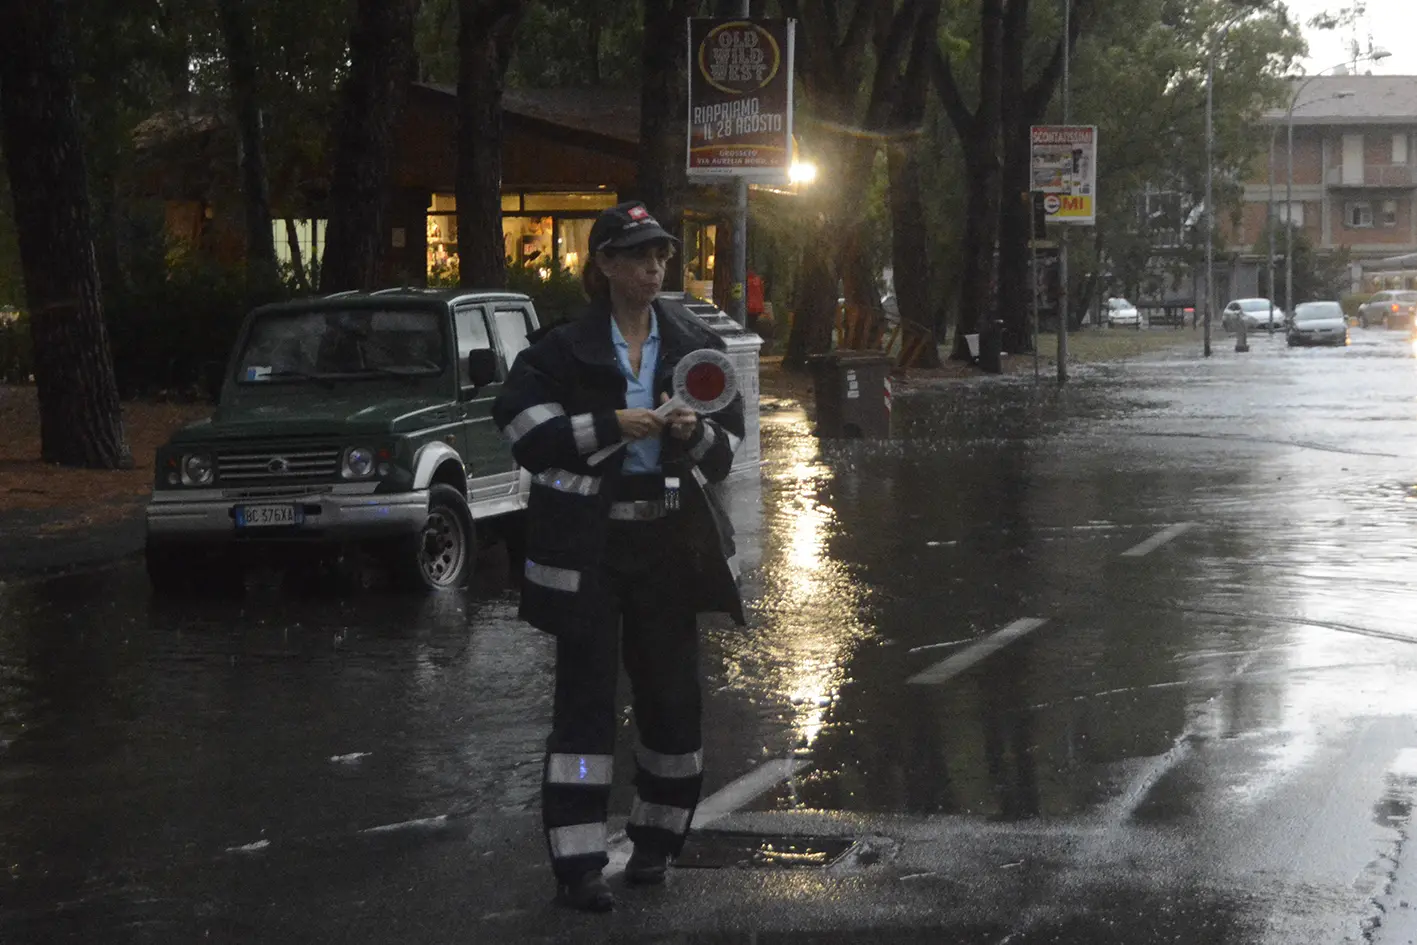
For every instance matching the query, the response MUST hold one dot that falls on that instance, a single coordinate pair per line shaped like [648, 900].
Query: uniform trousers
[648, 620]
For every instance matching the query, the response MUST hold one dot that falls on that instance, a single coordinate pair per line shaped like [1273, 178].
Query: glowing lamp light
[802, 172]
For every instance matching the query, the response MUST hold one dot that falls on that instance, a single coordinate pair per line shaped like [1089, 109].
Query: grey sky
[1392, 25]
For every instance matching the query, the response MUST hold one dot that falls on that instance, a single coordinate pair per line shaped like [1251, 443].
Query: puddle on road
[882, 549]
[716, 849]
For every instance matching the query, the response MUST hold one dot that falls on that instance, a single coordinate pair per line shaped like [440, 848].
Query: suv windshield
[1313, 311]
[330, 343]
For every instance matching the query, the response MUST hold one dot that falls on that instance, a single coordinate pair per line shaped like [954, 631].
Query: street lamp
[1373, 56]
[1270, 216]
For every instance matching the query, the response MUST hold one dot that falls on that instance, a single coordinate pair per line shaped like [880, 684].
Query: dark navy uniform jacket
[557, 408]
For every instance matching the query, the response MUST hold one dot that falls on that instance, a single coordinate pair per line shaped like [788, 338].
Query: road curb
[34, 547]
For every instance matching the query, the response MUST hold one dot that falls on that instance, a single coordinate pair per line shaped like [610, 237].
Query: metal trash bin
[853, 394]
[743, 349]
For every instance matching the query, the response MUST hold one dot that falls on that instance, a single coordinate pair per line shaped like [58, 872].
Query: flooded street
[1129, 662]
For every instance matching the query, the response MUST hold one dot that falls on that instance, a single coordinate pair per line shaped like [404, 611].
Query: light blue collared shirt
[641, 456]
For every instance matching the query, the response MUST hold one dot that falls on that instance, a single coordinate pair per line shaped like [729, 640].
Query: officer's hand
[681, 420]
[638, 423]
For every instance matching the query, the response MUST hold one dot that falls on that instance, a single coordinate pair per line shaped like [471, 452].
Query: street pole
[1033, 312]
[738, 274]
[1289, 204]
[1269, 226]
[1063, 304]
[1209, 197]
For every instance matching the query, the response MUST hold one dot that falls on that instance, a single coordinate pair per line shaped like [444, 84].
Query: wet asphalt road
[1127, 663]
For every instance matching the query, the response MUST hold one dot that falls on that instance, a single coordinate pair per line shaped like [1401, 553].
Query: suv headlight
[358, 463]
[198, 469]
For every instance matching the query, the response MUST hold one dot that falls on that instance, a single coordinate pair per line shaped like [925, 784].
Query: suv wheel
[440, 557]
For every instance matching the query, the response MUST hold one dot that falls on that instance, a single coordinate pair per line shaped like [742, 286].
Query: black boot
[588, 892]
[646, 867]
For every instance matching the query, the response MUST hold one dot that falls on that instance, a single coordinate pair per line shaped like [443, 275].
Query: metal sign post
[740, 118]
[1064, 169]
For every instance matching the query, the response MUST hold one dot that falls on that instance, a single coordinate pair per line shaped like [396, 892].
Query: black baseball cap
[625, 225]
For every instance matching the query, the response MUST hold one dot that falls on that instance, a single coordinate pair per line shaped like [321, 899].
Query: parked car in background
[1120, 313]
[1318, 323]
[1393, 308]
[361, 419]
[1257, 313]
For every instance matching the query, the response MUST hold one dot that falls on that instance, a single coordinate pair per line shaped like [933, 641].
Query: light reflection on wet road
[1207, 738]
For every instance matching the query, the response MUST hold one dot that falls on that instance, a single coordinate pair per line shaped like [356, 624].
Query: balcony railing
[1380, 175]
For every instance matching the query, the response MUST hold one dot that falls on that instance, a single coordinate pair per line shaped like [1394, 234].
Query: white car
[1256, 313]
[1122, 312]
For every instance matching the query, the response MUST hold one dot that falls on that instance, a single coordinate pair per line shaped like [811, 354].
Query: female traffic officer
[621, 556]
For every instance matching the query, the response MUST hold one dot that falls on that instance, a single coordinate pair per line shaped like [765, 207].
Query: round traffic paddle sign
[705, 381]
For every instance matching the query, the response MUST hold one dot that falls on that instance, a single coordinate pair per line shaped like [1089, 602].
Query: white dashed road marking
[1159, 539]
[948, 669]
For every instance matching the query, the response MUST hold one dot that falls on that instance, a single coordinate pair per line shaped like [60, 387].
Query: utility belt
[644, 497]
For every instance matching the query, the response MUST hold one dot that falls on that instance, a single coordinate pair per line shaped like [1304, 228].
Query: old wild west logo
[739, 57]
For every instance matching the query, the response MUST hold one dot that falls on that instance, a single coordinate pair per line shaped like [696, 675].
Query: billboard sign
[740, 98]
[1063, 164]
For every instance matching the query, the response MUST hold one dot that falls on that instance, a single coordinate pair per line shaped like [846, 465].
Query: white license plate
[267, 516]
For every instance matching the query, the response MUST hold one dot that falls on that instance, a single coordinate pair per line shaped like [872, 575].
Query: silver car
[1257, 313]
[1394, 308]
[1318, 323]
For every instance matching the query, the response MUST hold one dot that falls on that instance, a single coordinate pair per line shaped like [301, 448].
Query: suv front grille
[277, 466]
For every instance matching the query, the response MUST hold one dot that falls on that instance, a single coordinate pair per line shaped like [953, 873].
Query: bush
[171, 325]
[16, 351]
[1350, 303]
[557, 299]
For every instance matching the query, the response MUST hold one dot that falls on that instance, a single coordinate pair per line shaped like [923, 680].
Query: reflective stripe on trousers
[664, 817]
[669, 766]
[576, 840]
[589, 770]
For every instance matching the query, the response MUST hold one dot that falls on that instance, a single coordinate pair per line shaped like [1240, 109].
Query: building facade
[567, 154]
[1354, 182]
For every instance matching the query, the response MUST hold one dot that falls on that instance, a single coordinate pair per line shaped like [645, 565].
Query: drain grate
[719, 849]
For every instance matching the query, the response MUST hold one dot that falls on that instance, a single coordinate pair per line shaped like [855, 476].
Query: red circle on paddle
[705, 382]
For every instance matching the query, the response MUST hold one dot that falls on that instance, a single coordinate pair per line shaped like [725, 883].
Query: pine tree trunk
[909, 230]
[661, 177]
[81, 421]
[236, 27]
[485, 34]
[814, 305]
[1022, 105]
[979, 136]
[381, 66]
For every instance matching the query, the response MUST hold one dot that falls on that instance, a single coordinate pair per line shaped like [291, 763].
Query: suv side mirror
[481, 367]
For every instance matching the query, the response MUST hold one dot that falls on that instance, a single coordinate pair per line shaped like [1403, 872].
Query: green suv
[359, 418]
